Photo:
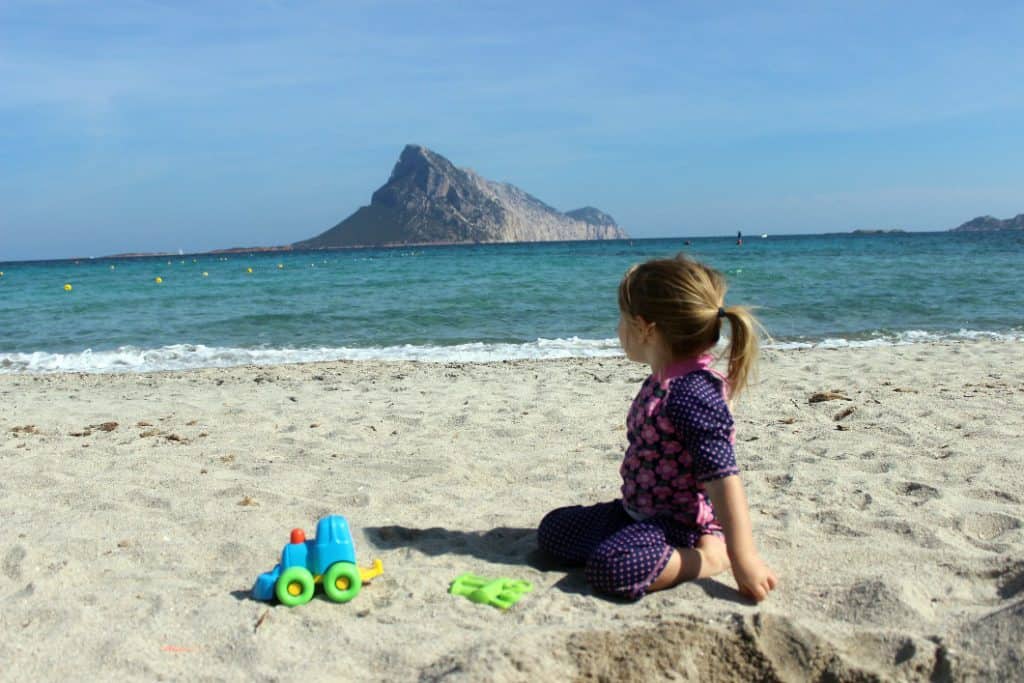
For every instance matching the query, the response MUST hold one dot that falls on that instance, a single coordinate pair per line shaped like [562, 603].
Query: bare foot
[716, 556]
[710, 557]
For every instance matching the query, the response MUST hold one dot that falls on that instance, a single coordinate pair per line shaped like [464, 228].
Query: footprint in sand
[916, 533]
[832, 523]
[860, 499]
[1006, 573]
[872, 466]
[918, 492]
[877, 602]
[986, 526]
[11, 564]
[994, 494]
[1011, 580]
[780, 481]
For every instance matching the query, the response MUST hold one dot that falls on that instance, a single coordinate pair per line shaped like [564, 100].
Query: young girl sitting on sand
[683, 514]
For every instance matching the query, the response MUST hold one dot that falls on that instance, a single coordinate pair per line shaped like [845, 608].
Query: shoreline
[119, 361]
[897, 529]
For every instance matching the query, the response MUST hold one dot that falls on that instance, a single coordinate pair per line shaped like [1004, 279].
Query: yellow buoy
[1, 273]
[111, 267]
[279, 266]
[67, 287]
[248, 270]
[205, 274]
[158, 280]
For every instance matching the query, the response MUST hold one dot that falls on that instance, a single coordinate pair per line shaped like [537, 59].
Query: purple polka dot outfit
[681, 436]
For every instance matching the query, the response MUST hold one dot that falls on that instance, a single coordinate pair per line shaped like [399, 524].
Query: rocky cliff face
[428, 200]
[989, 223]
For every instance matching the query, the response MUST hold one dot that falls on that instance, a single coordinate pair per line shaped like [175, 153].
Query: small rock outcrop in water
[989, 224]
[428, 200]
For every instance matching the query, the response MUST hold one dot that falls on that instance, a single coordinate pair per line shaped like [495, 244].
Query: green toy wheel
[295, 586]
[342, 581]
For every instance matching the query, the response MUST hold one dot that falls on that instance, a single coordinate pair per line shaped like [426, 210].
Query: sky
[158, 126]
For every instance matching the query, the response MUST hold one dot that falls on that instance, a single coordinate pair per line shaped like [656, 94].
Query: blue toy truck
[329, 559]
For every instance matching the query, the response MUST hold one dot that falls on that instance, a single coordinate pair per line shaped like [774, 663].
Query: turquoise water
[487, 302]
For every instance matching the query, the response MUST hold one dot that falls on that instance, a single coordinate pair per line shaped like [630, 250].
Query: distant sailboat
[764, 235]
[181, 252]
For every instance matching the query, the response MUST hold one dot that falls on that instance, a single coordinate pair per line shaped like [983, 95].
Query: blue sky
[152, 126]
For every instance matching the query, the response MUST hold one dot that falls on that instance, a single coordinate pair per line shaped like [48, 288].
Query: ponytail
[684, 298]
[743, 348]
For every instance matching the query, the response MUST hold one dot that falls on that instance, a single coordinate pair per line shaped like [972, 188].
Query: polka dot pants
[620, 555]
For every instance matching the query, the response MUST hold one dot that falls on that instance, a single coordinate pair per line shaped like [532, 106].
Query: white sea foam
[186, 356]
[898, 339]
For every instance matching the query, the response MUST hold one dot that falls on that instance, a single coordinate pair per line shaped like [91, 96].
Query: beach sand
[137, 510]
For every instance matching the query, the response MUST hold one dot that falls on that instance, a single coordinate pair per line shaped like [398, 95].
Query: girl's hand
[753, 577]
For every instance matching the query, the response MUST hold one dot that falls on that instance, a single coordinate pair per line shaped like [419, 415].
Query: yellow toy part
[376, 570]
[365, 573]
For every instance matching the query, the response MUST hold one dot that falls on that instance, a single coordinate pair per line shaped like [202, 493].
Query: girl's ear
[645, 327]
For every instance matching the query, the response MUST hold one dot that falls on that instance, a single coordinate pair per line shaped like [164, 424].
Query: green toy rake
[501, 593]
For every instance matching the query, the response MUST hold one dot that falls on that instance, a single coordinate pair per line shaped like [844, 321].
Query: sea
[490, 302]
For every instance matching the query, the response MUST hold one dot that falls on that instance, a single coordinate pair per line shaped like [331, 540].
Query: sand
[137, 510]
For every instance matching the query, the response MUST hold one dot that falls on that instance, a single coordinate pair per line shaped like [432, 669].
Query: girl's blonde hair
[683, 297]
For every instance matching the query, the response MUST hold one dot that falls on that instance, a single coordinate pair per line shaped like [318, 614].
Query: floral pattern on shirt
[680, 436]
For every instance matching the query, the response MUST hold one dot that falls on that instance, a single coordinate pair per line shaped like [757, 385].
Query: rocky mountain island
[990, 223]
[427, 200]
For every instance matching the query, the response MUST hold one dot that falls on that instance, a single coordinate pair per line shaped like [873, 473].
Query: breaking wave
[128, 359]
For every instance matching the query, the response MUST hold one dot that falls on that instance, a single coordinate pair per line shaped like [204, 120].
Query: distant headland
[991, 224]
[427, 200]
[979, 224]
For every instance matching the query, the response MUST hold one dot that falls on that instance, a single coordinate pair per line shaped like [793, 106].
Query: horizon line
[253, 250]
